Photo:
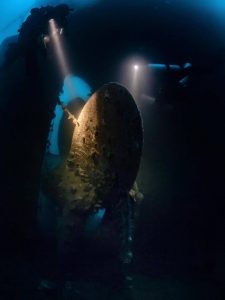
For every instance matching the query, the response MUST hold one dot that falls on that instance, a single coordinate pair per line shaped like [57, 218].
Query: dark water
[179, 248]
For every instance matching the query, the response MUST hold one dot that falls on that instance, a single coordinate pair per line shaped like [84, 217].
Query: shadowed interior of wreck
[179, 235]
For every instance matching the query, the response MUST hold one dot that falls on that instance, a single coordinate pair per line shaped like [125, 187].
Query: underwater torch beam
[135, 80]
[55, 34]
[55, 37]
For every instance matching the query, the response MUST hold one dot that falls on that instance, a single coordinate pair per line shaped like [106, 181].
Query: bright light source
[135, 76]
[55, 33]
[57, 43]
[46, 40]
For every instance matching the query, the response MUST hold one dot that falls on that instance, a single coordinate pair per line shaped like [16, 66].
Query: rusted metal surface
[105, 153]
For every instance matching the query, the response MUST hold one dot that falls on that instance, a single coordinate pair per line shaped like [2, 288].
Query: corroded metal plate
[105, 152]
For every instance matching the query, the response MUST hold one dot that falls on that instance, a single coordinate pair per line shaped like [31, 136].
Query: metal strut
[69, 115]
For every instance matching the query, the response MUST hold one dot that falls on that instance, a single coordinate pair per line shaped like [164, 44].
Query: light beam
[55, 34]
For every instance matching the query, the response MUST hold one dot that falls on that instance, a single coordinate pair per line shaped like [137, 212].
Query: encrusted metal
[105, 152]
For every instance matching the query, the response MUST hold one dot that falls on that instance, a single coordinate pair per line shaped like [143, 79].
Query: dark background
[181, 222]
[180, 230]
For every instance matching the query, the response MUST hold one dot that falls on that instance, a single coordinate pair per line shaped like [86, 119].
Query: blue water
[14, 12]
[82, 90]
